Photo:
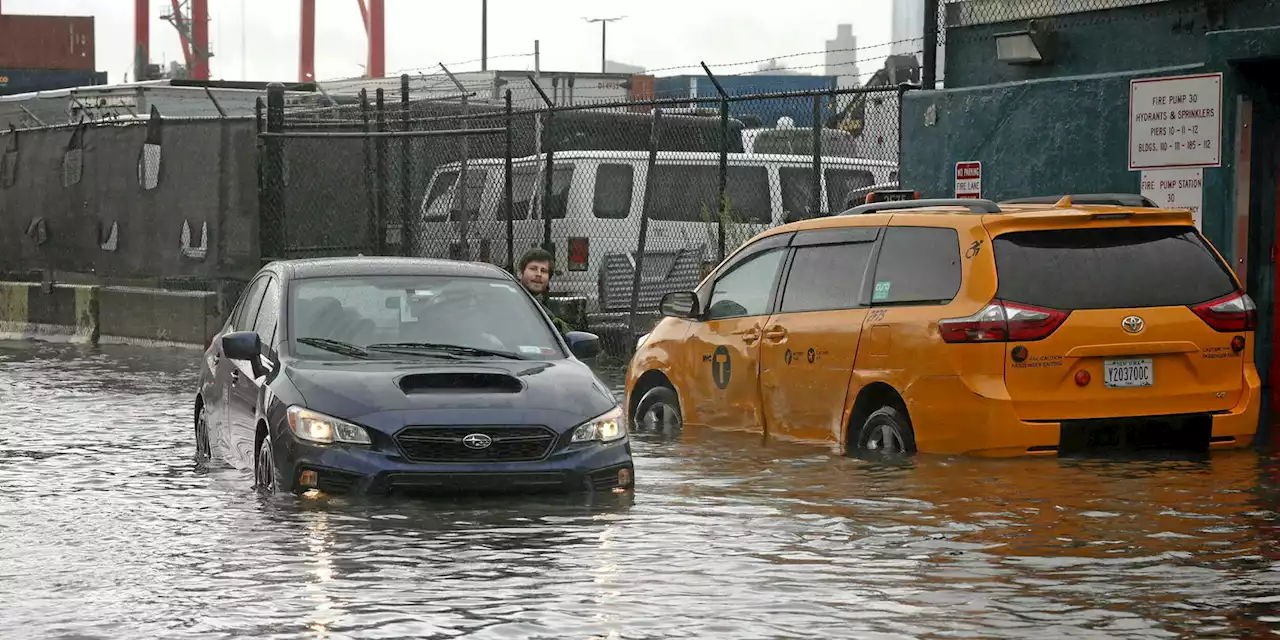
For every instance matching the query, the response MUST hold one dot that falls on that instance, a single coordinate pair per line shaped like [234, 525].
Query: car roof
[386, 266]
[972, 212]
[677, 157]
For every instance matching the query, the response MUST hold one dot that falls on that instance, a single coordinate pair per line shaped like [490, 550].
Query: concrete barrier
[137, 315]
[92, 314]
[29, 310]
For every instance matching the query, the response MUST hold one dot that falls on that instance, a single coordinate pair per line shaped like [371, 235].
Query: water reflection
[108, 529]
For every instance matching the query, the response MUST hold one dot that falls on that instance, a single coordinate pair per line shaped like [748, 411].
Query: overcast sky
[263, 45]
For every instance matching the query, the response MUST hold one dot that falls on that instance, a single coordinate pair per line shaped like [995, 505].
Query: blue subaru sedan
[405, 375]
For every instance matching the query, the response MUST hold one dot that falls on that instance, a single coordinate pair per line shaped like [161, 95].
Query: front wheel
[202, 435]
[887, 430]
[264, 471]
[658, 412]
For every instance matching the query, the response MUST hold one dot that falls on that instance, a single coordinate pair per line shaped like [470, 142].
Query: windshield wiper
[335, 346]
[447, 348]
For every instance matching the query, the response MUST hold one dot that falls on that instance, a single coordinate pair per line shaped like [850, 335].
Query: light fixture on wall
[1029, 46]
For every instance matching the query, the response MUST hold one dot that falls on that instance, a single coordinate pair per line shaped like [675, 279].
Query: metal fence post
[508, 189]
[271, 191]
[548, 183]
[372, 204]
[549, 137]
[644, 224]
[929, 74]
[380, 147]
[722, 204]
[406, 170]
[463, 182]
[815, 199]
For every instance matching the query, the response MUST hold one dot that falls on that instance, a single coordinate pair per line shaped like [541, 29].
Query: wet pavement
[108, 529]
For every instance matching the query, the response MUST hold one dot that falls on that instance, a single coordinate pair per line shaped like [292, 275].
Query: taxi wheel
[264, 471]
[202, 435]
[658, 411]
[887, 430]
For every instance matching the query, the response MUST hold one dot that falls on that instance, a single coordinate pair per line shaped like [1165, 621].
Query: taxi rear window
[1107, 268]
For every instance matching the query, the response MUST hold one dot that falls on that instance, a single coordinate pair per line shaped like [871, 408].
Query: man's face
[535, 276]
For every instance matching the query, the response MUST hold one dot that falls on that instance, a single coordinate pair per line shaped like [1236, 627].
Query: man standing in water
[535, 275]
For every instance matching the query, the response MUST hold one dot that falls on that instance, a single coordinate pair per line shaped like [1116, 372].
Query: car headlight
[606, 428]
[314, 426]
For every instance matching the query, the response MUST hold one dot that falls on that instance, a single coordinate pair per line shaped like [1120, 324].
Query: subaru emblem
[1133, 324]
[477, 441]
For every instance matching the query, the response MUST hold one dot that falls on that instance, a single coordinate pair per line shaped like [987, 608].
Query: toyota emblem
[477, 441]
[1133, 324]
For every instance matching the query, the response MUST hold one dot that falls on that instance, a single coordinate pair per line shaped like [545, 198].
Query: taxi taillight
[1002, 321]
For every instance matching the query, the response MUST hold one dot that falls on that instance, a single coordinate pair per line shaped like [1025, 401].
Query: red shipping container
[46, 42]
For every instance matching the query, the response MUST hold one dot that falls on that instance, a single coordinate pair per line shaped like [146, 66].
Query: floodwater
[108, 529]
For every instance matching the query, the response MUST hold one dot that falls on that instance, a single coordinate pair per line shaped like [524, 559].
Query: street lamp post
[604, 24]
[484, 35]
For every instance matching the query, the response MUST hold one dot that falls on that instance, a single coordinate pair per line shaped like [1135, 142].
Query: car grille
[409, 483]
[445, 444]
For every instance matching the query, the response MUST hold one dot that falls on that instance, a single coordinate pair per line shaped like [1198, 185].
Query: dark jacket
[560, 324]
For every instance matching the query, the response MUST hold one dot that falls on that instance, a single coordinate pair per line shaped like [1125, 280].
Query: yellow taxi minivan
[962, 327]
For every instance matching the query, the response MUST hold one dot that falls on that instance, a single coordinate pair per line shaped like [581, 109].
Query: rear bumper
[344, 469]
[981, 422]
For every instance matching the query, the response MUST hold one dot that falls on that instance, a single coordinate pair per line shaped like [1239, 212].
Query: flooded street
[108, 529]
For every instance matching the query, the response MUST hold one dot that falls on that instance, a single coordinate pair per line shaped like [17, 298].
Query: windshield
[427, 316]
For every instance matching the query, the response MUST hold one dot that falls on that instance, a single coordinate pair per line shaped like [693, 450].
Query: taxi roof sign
[891, 195]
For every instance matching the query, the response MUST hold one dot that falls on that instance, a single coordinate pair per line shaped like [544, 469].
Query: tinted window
[690, 193]
[917, 265]
[561, 180]
[469, 312]
[613, 191]
[826, 277]
[745, 290]
[268, 313]
[1109, 268]
[524, 182]
[444, 193]
[248, 313]
[842, 182]
[797, 193]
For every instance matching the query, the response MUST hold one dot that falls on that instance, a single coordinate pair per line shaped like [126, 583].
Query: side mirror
[583, 345]
[680, 304]
[244, 345]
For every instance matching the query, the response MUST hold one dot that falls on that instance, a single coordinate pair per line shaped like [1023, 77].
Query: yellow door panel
[725, 366]
[805, 364]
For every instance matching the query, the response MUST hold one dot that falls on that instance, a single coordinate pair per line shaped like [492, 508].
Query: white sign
[1175, 189]
[969, 179]
[1175, 122]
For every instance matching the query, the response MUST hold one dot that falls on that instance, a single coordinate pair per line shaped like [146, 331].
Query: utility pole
[484, 35]
[604, 25]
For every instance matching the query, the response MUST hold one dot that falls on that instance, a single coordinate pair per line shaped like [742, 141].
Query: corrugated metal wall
[46, 42]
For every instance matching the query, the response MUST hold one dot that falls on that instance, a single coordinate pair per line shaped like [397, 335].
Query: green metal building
[1090, 96]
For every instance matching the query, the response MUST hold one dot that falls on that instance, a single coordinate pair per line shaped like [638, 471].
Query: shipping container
[46, 42]
[753, 113]
[14, 81]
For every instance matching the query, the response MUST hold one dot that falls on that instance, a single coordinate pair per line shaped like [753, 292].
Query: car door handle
[235, 376]
[751, 335]
[776, 334]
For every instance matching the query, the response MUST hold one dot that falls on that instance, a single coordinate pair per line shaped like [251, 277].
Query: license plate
[1136, 372]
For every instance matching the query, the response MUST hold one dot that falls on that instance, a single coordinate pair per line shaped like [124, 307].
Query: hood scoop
[454, 382]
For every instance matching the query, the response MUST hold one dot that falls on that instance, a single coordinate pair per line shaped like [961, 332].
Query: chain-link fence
[633, 199]
[963, 13]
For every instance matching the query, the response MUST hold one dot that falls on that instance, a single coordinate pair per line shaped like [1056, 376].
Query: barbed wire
[784, 57]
